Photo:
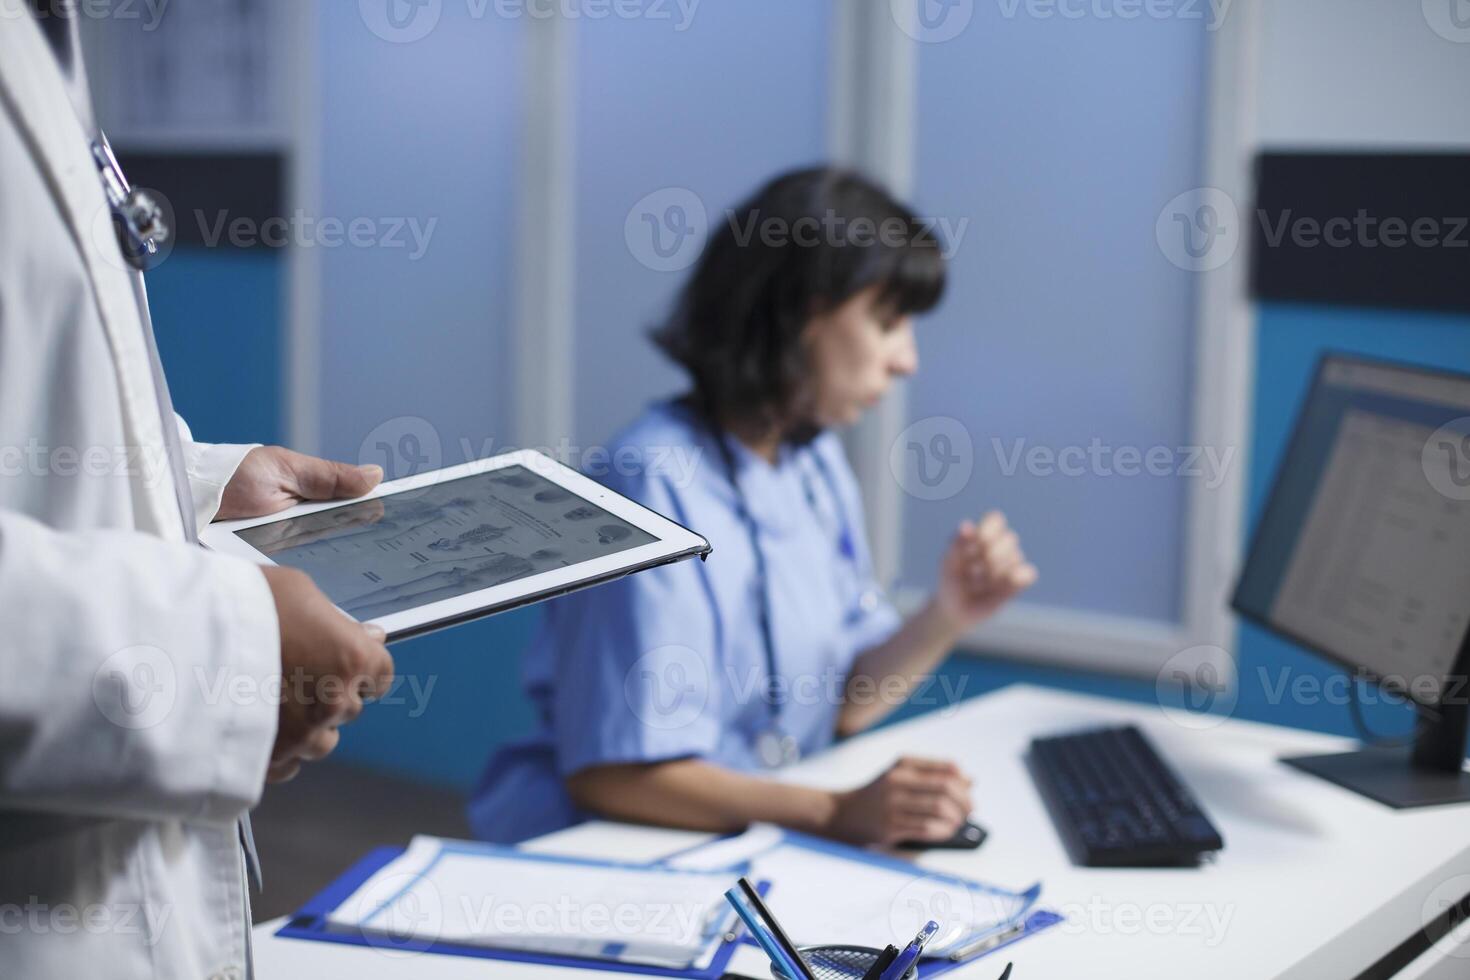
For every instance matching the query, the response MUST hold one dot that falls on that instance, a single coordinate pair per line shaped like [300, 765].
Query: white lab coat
[136, 716]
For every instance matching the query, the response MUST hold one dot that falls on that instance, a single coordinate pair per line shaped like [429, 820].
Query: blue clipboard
[311, 923]
[929, 966]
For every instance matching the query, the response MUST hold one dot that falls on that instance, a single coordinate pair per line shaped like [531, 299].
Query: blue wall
[1289, 340]
[217, 316]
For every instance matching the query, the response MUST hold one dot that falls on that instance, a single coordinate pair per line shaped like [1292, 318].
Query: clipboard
[311, 923]
[1034, 921]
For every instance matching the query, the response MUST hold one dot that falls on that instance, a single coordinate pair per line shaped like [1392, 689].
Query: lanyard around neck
[775, 697]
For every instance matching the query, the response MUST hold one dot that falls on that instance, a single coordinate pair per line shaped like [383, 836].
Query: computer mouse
[970, 836]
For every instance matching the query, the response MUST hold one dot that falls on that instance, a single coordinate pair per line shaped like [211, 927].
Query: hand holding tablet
[445, 547]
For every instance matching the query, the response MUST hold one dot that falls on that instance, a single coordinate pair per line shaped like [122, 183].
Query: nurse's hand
[916, 799]
[983, 569]
[329, 665]
[271, 478]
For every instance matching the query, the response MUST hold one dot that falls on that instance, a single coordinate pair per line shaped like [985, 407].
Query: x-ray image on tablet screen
[388, 554]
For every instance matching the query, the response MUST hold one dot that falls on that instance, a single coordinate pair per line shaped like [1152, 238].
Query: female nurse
[670, 697]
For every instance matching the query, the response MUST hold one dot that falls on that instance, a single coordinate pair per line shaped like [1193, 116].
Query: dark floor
[315, 827]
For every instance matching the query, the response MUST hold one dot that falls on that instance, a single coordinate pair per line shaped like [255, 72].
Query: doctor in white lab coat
[148, 688]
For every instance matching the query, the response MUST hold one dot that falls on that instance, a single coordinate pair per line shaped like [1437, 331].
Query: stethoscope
[136, 217]
[775, 747]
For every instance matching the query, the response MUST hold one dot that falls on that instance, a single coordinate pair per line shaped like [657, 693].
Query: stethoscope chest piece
[777, 749]
[137, 218]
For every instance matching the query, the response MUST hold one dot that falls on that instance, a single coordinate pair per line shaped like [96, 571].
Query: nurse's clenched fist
[916, 799]
[329, 666]
[983, 568]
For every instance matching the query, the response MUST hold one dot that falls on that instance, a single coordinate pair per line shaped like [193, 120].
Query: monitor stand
[1431, 773]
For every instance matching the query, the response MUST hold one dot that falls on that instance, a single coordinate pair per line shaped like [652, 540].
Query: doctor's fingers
[324, 479]
[283, 772]
[374, 675]
[319, 744]
[364, 671]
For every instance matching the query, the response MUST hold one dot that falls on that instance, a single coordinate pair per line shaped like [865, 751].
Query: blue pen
[766, 940]
[911, 952]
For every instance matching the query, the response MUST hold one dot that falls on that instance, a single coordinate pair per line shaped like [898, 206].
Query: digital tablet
[445, 547]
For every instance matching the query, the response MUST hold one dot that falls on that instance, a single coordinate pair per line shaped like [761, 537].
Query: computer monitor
[1362, 554]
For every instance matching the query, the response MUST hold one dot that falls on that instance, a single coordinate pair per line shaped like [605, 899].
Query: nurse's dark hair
[802, 245]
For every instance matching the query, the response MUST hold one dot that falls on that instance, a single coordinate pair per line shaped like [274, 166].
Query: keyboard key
[1117, 803]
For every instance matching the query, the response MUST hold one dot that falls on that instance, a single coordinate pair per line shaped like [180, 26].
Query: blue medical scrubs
[669, 663]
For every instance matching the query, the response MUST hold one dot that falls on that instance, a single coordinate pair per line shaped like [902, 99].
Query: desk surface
[1314, 881]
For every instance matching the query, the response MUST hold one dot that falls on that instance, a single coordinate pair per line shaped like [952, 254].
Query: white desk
[1314, 883]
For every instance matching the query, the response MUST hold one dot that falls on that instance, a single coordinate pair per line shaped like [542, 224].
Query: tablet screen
[381, 556]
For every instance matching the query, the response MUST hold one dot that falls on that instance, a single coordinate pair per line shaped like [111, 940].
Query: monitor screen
[1362, 552]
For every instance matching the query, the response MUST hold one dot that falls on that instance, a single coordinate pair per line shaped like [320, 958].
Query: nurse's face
[854, 353]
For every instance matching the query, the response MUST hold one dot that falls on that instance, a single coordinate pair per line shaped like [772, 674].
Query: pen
[777, 933]
[768, 943]
[881, 963]
[1006, 973]
[910, 954]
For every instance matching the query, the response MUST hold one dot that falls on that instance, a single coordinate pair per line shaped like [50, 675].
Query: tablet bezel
[675, 543]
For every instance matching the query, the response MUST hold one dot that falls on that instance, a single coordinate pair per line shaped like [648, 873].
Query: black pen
[777, 933]
[1006, 973]
[881, 963]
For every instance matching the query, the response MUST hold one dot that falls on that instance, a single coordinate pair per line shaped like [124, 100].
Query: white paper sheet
[495, 897]
[821, 897]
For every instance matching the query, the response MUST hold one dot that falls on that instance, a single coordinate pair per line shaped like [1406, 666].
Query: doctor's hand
[329, 666]
[916, 799]
[983, 569]
[272, 478]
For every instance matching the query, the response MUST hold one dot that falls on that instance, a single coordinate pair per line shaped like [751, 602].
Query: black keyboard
[1117, 804]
